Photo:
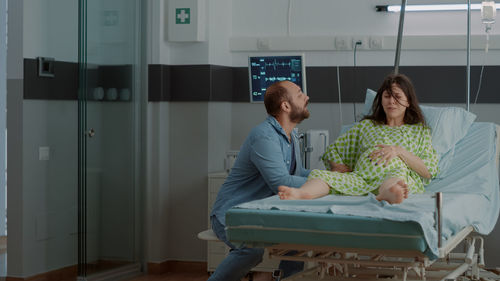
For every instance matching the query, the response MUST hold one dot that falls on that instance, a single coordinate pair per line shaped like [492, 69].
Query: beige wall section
[219, 132]
[187, 195]
[157, 185]
[14, 137]
[15, 180]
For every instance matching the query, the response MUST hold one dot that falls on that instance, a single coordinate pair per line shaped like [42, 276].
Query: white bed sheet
[470, 194]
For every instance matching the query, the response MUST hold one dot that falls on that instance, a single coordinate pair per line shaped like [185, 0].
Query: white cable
[482, 68]
[354, 53]
[354, 64]
[289, 16]
[480, 82]
[340, 98]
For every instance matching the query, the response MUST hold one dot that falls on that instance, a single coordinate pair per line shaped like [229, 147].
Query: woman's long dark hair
[413, 114]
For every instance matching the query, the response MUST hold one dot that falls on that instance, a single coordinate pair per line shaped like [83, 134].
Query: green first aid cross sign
[182, 15]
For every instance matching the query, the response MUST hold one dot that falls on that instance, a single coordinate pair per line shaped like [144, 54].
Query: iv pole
[400, 38]
[468, 55]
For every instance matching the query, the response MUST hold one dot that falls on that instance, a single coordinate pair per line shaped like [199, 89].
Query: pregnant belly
[370, 170]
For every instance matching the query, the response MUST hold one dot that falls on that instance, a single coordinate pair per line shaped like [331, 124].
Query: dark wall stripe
[157, 91]
[241, 85]
[190, 83]
[221, 87]
[321, 84]
[63, 86]
[434, 84]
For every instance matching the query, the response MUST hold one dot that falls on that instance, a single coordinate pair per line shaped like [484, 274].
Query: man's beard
[298, 114]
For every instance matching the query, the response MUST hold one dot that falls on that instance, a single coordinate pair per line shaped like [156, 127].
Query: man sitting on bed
[268, 158]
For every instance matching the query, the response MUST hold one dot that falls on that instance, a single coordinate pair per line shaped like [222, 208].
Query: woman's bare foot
[289, 193]
[393, 191]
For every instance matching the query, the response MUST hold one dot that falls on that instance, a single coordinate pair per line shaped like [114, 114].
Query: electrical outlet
[263, 44]
[376, 42]
[343, 43]
[360, 43]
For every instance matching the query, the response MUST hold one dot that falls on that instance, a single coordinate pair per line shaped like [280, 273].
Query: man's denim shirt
[262, 165]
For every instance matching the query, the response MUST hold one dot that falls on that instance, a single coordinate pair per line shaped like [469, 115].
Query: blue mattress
[363, 222]
[262, 228]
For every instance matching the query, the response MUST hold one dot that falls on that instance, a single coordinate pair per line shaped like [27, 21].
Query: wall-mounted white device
[186, 20]
[230, 159]
[314, 145]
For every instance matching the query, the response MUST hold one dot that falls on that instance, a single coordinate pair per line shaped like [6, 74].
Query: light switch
[46, 67]
[44, 153]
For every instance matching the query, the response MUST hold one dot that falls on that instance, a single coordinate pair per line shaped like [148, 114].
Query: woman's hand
[385, 153]
[341, 168]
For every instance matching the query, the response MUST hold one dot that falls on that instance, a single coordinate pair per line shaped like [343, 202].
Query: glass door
[109, 126]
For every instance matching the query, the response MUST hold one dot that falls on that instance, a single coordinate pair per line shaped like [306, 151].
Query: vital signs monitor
[265, 70]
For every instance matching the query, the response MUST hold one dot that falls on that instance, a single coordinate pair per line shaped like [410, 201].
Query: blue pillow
[448, 126]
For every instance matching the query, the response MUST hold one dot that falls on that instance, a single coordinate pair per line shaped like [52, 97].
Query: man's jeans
[241, 260]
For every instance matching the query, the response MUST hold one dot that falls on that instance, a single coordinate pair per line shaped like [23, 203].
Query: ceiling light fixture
[429, 8]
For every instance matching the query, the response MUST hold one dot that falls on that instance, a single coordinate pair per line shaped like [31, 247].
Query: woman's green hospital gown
[354, 147]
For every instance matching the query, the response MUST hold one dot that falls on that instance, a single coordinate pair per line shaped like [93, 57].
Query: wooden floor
[195, 276]
[175, 276]
[186, 276]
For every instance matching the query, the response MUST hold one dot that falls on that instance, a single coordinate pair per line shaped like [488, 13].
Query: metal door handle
[91, 132]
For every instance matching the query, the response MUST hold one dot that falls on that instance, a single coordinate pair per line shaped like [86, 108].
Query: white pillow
[370, 96]
[448, 126]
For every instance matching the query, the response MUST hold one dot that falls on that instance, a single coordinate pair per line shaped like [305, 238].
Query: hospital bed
[358, 237]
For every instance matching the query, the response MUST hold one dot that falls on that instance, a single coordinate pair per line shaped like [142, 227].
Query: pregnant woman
[389, 153]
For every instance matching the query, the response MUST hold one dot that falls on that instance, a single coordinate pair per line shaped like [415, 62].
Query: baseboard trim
[65, 273]
[176, 266]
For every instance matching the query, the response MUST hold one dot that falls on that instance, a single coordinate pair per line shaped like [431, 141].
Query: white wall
[50, 29]
[268, 19]
[326, 19]
[111, 32]
[343, 17]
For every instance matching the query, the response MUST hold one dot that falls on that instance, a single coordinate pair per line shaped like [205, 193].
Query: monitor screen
[265, 70]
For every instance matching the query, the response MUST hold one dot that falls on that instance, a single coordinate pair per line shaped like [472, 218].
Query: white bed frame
[329, 263]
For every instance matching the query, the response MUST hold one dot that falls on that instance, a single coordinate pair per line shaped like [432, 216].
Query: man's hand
[341, 168]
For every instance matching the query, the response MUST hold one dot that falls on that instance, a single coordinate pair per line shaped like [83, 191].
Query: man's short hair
[274, 96]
